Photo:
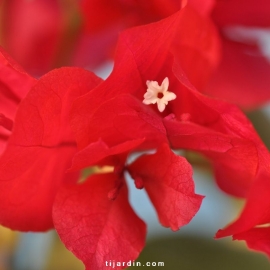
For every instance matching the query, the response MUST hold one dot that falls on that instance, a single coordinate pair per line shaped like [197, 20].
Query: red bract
[167, 176]
[256, 239]
[95, 228]
[40, 150]
[253, 223]
[244, 72]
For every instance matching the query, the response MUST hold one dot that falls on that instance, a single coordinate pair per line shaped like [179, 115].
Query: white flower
[158, 94]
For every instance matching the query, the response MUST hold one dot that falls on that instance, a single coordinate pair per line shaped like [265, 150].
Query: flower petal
[98, 153]
[117, 120]
[168, 181]
[29, 180]
[165, 83]
[256, 209]
[40, 150]
[161, 105]
[235, 160]
[168, 96]
[95, 228]
[223, 118]
[257, 239]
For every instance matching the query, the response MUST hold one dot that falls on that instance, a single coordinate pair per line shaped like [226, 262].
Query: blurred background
[45, 34]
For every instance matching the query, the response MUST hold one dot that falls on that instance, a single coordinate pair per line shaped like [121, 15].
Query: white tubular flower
[158, 94]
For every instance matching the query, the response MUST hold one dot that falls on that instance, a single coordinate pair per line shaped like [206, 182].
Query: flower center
[160, 95]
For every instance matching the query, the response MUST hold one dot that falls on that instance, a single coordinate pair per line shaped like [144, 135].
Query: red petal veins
[45, 114]
[218, 130]
[40, 150]
[235, 160]
[168, 181]
[212, 113]
[117, 120]
[148, 48]
[95, 228]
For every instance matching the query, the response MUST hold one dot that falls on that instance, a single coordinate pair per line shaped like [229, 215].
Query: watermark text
[113, 264]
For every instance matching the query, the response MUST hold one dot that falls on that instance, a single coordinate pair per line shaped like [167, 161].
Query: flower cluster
[53, 127]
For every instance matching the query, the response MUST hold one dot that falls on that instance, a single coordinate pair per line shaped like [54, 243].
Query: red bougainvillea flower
[39, 152]
[115, 118]
[121, 110]
[14, 84]
[243, 76]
